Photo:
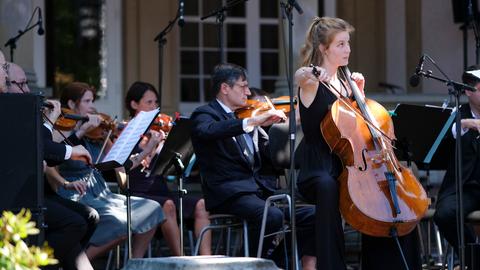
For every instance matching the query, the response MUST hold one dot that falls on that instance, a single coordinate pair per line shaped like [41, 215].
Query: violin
[101, 131]
[162, 122]
[256, 107]
[68, 120]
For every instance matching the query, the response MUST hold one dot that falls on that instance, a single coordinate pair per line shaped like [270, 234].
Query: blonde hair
[322, 30]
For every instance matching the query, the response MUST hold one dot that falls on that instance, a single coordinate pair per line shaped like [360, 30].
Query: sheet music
[130, 136]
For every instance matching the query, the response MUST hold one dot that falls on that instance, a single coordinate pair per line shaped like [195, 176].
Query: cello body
[367, 200]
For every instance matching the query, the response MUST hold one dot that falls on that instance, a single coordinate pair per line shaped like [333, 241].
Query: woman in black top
[327, 47]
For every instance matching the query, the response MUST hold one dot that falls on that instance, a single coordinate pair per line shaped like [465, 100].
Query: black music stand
[424, 136]
[119, 156]
[421, 132]
[176, 152]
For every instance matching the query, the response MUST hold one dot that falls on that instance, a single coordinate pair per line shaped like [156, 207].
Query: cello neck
[353, 86]
[360, 99]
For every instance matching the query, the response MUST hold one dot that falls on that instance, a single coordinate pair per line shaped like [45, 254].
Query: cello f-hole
[364, 159]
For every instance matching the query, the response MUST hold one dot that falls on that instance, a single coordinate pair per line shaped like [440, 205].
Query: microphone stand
[219, 13]
[127, 166]
[287, 9]
[477, 41]
[470, 21]
[160, 38]
[455, 89]
[176, 161]
[12, 42]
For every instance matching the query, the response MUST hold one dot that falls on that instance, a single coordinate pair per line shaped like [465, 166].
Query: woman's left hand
[359, 80]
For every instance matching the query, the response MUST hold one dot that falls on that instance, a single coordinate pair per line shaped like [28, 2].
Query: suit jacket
[470, 159]
[53, 153]
[225, 171]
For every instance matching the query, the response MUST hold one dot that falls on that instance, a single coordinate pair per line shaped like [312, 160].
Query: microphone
[40, 30]
[181, 19]
[296, 6]
[419, 67]
[415, 78]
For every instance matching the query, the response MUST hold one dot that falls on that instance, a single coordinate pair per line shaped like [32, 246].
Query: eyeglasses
[242, 86]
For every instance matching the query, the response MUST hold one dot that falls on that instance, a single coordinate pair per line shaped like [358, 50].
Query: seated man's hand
[267, 118]
[80, 153]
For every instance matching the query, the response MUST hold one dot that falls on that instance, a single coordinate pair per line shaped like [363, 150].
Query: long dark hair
[136, 92]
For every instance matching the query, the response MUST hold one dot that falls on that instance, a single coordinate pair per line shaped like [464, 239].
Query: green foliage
[14, 252]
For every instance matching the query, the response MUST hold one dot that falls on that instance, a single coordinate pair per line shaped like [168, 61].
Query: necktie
[246, 143]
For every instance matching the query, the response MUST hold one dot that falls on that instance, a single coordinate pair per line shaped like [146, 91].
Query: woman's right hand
[78, 186]
[305, 76]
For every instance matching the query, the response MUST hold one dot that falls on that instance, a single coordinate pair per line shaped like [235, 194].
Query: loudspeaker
[21, 162]
[460, 10]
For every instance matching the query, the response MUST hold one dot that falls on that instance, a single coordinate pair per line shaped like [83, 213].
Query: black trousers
[250, 207]
[70, 226]
[377, 253]
[323, 192]
[445, 214]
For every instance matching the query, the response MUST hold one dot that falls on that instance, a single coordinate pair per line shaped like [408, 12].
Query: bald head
[17, 78]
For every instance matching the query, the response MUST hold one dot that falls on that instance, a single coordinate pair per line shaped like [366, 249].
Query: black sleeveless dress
[317, 158]
[319, 169]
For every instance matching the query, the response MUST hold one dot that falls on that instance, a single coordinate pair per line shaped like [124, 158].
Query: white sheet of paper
[475, 73]
[129, 137]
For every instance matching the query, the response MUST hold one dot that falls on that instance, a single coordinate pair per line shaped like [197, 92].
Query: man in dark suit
[228, 151]
[445, 215]
[69, 224]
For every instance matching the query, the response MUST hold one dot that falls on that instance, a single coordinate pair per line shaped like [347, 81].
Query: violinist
[112, 229]
[228, 153]
[70, 224]
[142, 96]
[327, 47]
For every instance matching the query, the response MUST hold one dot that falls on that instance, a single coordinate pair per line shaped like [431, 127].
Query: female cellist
[327, 47]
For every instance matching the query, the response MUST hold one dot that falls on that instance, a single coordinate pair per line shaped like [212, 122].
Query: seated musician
[142, 96]
[445, 214]
[147, 215]
[227, 151]
[70, 224]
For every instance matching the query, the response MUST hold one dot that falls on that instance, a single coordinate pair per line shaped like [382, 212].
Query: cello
[378, 195]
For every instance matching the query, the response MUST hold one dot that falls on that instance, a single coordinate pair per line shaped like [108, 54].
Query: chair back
[280, 146]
